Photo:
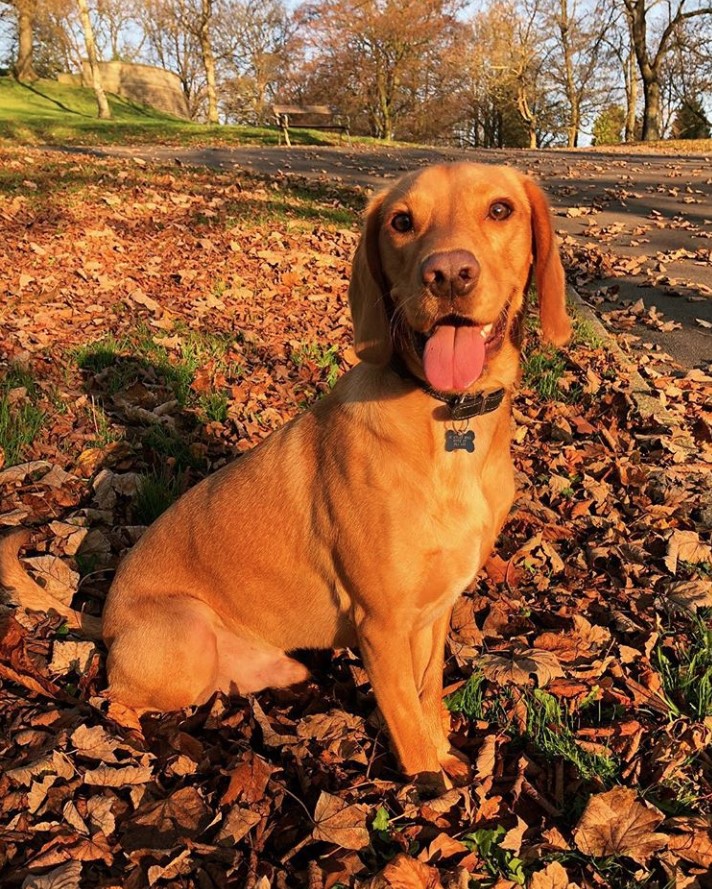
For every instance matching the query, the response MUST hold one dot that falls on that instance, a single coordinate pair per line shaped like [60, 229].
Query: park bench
[286, 114]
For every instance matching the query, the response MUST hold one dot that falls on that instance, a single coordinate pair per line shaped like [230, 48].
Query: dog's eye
[402, 222]
[499, 211]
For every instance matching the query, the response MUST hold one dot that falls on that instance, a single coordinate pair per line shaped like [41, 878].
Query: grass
[324, 357]
[20, 418]
[585, 334]
[47, 112]
[662, 146]
[215, 406]
[543, 370]
[136, 355]
[155, 493]
[687, 672]
[167, 443]
[498, 862]
[549, 728]
[103, 430]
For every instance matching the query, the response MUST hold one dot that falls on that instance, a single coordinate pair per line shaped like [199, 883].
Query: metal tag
[460, 441]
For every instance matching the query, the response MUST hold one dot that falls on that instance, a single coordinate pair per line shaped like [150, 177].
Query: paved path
[655, 207]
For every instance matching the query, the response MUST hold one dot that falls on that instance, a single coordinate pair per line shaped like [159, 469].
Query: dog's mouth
[455, 350]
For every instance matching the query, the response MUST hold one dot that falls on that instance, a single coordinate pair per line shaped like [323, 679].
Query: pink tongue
[454, 357]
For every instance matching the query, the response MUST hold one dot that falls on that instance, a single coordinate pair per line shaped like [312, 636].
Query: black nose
[449, 274]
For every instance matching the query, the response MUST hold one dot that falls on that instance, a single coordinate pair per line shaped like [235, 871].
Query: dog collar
[462, 407]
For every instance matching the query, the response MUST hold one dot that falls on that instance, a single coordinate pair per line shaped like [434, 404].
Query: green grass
[498, 862]
[686, 672]
[549, 727]
[585, 334]
[156, 492]
[215, 406]
[136, 354]
[20, 418]
[105, 433]
[167, 443]
[47, 112]
[543, 370]
[326, 358]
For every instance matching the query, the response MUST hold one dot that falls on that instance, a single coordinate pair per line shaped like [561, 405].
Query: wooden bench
[285, 114]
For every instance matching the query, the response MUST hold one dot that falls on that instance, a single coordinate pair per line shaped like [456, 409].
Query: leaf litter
[170, 318]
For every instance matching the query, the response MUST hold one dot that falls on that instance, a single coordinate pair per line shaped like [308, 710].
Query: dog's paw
[432, 784]
[288, 672]
[457, 766]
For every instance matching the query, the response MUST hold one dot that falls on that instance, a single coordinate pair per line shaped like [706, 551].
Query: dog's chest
[455, 541]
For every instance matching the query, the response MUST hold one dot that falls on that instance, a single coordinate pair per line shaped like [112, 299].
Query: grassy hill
[47, 112]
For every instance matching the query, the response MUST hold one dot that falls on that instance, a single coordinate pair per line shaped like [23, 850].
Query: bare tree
[174, 47]
[492, 117]
[578, 61]
[179, 37]
[26, 13]
[114, 28]
[650, 53]
[526, 67]
[203, 32]
[101, 100]
[251, 38]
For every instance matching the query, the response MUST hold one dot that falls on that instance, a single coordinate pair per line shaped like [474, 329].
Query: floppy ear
[548, 271]
[367, 292]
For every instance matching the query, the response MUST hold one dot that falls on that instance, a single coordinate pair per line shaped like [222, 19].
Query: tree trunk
[24, 69]
[631, 93]
[98, 87]
[651, 111]
[208, 60]
[571, 93]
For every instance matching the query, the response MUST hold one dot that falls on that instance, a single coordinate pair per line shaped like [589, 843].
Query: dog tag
[460, 441]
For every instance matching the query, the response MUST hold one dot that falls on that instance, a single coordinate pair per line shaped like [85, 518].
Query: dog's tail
[24, 592]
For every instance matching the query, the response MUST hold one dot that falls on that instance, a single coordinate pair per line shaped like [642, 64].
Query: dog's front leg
[428, 652]
[386, 652]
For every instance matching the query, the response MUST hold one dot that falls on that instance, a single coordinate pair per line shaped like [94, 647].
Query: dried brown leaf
[335, 821]
[520, 666]
[66, 876]
[615, 823]
[552, 877]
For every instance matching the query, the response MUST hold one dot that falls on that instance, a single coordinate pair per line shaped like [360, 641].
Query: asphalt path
[655, 209]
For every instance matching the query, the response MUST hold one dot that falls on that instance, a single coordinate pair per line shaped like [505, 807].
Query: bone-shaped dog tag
[460, 441]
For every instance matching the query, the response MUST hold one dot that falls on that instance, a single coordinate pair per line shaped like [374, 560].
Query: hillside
[50, 113]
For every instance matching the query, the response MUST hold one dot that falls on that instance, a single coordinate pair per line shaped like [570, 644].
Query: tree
[180, 39]
[579, 39]
[691, 122]
[370, 55]
[650, 53]
[491, 117]
[114, 28]
[203, 33]
[98, 87]
[175, 47]
[608, 126]
[26, 12]
[251, 39]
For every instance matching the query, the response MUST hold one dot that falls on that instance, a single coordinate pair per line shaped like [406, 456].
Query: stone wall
[143, 84]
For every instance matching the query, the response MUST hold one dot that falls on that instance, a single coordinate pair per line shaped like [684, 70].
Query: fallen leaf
[615, 823]
[66, 876]
[335, 821]
[520, 666]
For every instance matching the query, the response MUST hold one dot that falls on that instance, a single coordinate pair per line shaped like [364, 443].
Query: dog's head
[441, 272]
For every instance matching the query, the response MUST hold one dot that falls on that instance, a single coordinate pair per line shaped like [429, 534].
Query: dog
[359, 523]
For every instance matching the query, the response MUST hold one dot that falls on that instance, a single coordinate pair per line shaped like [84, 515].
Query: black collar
[462, 407]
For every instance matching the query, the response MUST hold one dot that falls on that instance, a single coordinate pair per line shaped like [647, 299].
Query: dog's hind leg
[166, 654]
